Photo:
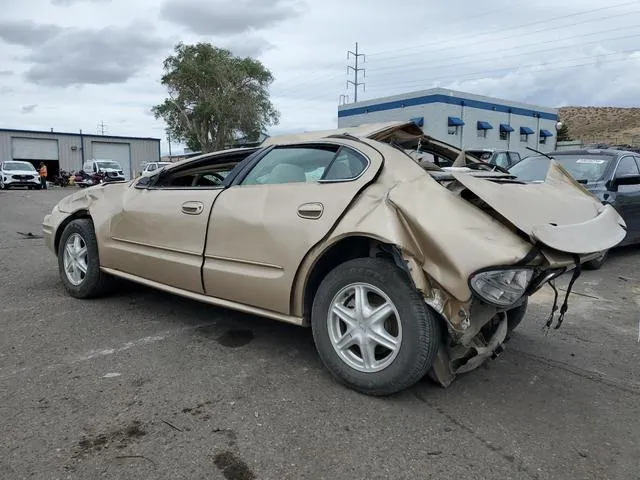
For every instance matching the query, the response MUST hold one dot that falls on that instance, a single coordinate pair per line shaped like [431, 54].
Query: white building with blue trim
[462, 119]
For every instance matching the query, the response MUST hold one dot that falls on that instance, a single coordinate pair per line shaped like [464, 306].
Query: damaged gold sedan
[401, 268]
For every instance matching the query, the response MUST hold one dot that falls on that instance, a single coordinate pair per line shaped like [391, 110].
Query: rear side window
[347, 165]
[627, 166]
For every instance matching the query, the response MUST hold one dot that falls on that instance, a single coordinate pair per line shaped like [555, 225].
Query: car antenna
[541, 153]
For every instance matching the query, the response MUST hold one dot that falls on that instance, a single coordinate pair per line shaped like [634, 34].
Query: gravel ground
[146, 385]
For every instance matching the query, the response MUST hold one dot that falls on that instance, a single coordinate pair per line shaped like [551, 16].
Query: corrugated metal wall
[142, 149]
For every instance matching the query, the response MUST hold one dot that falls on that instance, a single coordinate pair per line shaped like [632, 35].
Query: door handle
[311, 210]
[192, 208]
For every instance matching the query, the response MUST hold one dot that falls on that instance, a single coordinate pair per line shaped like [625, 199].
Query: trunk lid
[558, 213]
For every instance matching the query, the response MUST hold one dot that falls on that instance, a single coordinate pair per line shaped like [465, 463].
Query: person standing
[43, 176]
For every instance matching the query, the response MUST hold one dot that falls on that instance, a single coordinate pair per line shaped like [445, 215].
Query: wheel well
[67, 221]
[347, 249]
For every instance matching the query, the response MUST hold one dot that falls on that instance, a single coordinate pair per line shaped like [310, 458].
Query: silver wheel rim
[75, 259]
[364, 327]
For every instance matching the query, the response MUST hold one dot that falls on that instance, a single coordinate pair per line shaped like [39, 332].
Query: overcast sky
[71, 64]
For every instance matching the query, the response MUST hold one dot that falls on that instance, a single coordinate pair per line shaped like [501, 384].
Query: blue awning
[526, 131]
[505, 127]
[484, 125]
[419, 121]
[455, 122]
[546, 133]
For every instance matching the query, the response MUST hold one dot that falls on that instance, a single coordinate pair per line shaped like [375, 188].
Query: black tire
[596, 263]
[516, 315]
[95, 282]
[421, 328]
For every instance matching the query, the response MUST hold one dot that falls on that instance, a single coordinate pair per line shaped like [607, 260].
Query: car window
[291, 165]
[151, 167]
[501, 160]
[627, 166]
[515, 157]
[346, 165]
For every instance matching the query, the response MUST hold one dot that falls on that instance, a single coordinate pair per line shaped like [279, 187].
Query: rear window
[586, 167]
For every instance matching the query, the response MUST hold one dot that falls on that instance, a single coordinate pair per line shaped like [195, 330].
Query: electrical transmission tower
[356, 70]
[102, 128]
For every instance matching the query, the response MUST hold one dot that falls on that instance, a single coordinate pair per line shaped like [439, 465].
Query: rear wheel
[372, 329]
[78, 261]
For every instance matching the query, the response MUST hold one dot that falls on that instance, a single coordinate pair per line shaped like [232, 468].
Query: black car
[611, 175]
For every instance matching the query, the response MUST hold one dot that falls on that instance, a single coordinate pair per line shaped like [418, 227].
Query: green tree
[563, 133]
[214, 97]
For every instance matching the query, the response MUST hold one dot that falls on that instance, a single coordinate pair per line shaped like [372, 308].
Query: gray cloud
[109, 55]
[28, 108]
[5, 73]
[248, 45]
[226, 17]
[26, 32]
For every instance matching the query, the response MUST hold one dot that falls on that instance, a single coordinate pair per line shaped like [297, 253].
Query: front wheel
[78, 261]
[372, 329]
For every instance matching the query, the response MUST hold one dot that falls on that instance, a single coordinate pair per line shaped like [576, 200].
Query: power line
[511, 69]
[329, 77]
[326, 97]
[431, 66]
[413, 68]
[515, 27]
[537, 31]
[101, 128]
[355, 69]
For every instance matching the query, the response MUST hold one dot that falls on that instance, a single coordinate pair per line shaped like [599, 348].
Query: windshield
[113, 165]
[589, 167]
[19, 166]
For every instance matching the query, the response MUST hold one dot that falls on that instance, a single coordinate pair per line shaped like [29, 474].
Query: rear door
[262, 227]
[627, 200]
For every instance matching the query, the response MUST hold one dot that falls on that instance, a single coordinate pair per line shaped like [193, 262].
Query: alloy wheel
[75, 259]
[364, 327]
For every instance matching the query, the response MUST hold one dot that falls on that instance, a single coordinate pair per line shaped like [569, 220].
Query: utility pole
[169, 141]
[101, 128]
[355, 69]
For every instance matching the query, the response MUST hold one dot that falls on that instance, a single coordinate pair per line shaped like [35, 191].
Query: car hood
[19, 172]
[558, 213]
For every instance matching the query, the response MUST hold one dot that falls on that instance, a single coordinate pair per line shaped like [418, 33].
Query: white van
[112, 170]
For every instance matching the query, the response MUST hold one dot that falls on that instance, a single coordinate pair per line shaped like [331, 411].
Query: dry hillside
[612, 125]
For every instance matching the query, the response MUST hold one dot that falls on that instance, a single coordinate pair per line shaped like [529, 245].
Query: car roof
[591, 151]
[366, 130]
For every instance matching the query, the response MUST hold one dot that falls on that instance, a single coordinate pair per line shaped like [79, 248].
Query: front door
[262, 227]
[159, 234]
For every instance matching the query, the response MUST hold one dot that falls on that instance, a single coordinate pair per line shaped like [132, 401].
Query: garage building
[69, 151]
[462, 119]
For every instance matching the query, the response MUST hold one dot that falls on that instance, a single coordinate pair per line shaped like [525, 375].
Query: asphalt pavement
[146, 385]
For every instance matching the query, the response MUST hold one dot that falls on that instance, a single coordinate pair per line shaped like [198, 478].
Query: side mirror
[624, 180]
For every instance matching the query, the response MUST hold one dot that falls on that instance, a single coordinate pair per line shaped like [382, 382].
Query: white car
[112, 170]
[153, 166]
[16, 173]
